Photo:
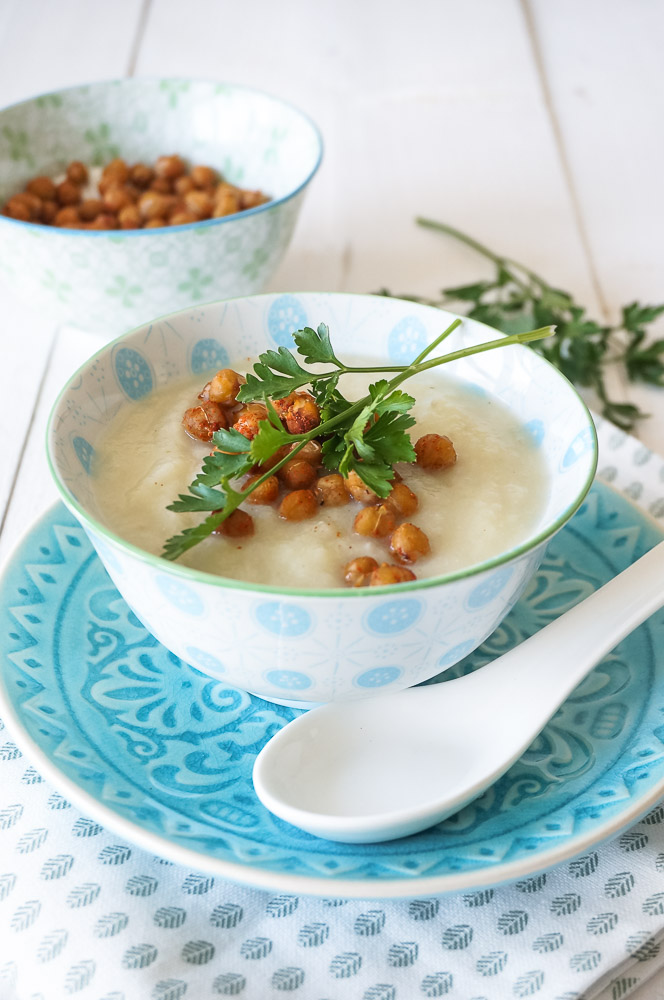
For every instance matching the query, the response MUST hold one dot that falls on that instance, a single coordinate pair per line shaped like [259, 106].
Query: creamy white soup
[489, 501]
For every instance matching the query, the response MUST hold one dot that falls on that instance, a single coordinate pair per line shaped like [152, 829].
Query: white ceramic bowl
[316, 646]
[111, 281]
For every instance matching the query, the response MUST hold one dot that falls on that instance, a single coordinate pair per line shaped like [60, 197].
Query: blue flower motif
[289, 680]
[180, 595]
[536, 430]
[378, 677]
[84, 452]
[394, 616]
[205, 661]
[406, 340]
[285, 316]
[456, 653]
[133, 373]
[581, 444]
[208, 355]
[283, 619]
[485, 592]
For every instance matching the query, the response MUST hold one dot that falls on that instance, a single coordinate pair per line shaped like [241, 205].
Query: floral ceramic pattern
[112, 281]
[325, 642]
[169, 750]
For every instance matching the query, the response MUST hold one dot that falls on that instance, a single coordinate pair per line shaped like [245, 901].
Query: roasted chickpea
[298, 506]
[182, 218]
[16, 208]
[273, 460]
[157, 223]
[162, 185]
[141, 175]
[311, 453]
[297, 474]
[359, 490]
[331, 491]
[90, 209]
[77, 172]
[117, 197]
[248, 419]
[129, 217]
[224, 386]
[298, 412]
[239, 524]
[226, 202]
[181, 185]
[387, 573]
[153, 205]
[104, 221]
[49, 211]
[68, 193]
[203, 177]
[402, 500]
[203, 420]
[42, 187]
[67, 216]
[200, 203]
[169, 166]
[435, 451]
[358, 571]
[409, 542]
[375, 521]
[251, 199]
[34, 203]
[266, 493]
[115, 172]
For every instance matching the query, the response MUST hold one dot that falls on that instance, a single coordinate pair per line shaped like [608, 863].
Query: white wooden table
[536, 126]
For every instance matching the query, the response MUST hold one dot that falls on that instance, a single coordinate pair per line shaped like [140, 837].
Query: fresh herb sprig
[367, 435]
[518, 299]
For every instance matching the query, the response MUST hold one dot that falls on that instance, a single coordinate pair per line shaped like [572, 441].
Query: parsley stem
[434, 344]
[501, 262]
[414, 369]
[489, 345]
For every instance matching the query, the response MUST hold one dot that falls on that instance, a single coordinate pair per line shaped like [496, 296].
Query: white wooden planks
[430, 108]
[603, 61]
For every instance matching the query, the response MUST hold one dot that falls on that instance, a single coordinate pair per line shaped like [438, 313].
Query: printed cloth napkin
[84, 914]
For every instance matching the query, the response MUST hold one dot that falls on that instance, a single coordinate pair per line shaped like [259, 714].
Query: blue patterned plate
[161, 753]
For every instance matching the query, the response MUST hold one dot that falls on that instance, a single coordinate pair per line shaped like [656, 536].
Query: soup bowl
[310, 646]
[109, 281]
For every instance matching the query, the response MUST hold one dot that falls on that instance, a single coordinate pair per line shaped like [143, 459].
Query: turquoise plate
[162, 754]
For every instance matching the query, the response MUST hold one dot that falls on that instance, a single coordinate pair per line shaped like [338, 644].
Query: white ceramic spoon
[385, 767]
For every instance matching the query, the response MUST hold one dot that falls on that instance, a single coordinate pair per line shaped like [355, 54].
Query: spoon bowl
[382, 768]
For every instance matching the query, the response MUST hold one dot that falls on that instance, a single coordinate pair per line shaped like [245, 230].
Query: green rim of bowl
[204, 223]
[186, 573]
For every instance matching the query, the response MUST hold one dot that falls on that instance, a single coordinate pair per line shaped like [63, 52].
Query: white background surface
[536, 126]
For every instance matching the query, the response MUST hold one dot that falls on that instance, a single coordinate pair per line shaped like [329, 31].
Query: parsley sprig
[518, 299]
[367, 435]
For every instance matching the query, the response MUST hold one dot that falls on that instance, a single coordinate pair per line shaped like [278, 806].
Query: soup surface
[486, 503]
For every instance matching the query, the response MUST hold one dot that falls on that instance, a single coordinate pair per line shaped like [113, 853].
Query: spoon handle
[546, 668]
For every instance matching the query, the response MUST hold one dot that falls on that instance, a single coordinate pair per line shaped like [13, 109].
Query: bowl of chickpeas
[125, 200]
[316, 588]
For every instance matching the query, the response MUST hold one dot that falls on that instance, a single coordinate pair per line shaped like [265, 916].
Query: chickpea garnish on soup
[285, 438]
[295, 484]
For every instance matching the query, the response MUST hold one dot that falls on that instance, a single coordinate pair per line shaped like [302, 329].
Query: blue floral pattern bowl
[111, 281]
[315, 646]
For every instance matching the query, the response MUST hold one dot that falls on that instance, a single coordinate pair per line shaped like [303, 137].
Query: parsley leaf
[276, 374]
[315, 346]
[517, 299]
